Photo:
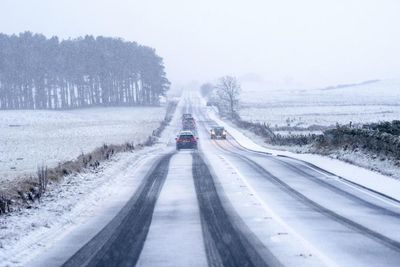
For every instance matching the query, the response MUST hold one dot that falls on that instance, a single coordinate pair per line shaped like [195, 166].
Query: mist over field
[272, 44]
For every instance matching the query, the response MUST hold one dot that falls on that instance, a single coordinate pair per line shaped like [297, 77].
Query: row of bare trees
[41, 73]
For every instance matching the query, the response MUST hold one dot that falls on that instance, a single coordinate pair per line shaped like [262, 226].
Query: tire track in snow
[226, 244]
[388, 242]
[280, 159]
[121, 241]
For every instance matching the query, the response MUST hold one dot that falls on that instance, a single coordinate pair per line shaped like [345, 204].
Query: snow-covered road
[227, 205]
[176, 224]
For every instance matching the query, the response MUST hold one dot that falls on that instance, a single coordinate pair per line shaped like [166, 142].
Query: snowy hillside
[31, 138]
[385, 92]
[371, 102]
[323, 115]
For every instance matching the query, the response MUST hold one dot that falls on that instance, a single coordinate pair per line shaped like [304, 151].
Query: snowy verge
[366, 178]
[69, 204]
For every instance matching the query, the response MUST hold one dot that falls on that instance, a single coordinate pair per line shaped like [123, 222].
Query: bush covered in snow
[265, 131]
[385, 127]
[382, 139]
[379, 138]
[293, 139]
[260, 129]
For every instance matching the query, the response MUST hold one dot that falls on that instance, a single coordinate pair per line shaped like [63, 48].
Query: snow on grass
[304, 116]
[32, 138]
[385, 92]
[75, 202]
[372, 102]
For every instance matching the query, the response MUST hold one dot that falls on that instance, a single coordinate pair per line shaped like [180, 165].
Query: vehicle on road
[186, 140]
[186, 116]
[188, 124]
[218, 133]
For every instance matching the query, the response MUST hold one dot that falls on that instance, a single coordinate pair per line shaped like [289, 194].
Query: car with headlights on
[218, 133]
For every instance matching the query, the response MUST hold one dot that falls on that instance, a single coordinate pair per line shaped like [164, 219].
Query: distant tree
[41, 73]
[228, 90]
[206, 89]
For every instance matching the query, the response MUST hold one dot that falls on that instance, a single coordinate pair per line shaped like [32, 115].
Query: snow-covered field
[322, 115]
[32, 138]
[386, 92]
[373, 102]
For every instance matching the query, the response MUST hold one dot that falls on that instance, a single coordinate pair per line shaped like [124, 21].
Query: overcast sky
[281, 43]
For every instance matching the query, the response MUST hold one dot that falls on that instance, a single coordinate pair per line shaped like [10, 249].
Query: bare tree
[228, 91]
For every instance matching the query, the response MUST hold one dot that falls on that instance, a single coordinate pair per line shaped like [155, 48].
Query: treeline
[41, 73]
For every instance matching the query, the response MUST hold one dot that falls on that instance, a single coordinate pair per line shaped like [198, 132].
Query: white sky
[281, 43]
